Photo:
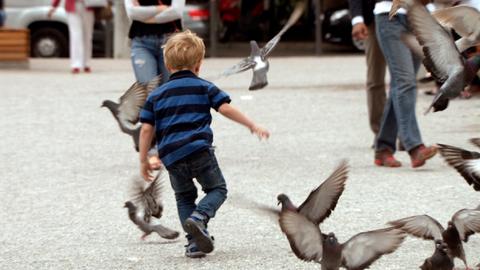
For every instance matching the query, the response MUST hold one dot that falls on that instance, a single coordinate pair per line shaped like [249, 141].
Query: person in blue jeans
[152, 22]
[399, 117]
[178, 112]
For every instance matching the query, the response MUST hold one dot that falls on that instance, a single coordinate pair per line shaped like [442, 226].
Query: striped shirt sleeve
[217, 97]
[146, 114]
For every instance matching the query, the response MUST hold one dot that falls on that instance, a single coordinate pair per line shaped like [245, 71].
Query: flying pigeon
[440, 259]
[146, 227]
[465, 21]
[358, 253]
[146, 203]
[127, 111]
[441, 56]
[465, 162]
[464, 223]
[257, 61]
[316, 208]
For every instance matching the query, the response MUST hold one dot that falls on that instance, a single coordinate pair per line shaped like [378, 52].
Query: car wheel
[49, 42]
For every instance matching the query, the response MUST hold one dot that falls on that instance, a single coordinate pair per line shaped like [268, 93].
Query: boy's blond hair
[183, 50]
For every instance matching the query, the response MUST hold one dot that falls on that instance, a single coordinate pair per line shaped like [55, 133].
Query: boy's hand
[146, 171]
[261, 132]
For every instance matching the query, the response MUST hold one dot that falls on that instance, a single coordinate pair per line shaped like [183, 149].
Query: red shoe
[420, 154]
[87, 70]
[386, 158]
[75, 70]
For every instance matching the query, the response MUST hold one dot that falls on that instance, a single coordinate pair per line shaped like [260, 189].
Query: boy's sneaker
[197, 229]
[192, 251]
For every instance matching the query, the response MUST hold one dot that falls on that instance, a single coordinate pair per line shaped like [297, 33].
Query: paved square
[65, 168]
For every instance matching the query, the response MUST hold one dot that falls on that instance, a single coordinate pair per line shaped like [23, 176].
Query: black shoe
[196, 228]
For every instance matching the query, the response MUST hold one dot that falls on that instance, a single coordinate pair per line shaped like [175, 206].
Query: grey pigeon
[464, 223]
[127, 111]
[257, 61]
[467, 163]
[144, 204]
[150, 198]
[316, 208]
[321, 201]
[441, 56]
[359, 252]
[146, 227]
[465, 21]
[440, 259]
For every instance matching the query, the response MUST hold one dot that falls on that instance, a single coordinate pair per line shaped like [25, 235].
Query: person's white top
[385, 6]
[144, 13]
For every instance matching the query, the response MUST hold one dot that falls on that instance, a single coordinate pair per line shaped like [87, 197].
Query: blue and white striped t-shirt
[180, 112]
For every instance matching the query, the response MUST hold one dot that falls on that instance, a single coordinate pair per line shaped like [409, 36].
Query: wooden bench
[14, 48]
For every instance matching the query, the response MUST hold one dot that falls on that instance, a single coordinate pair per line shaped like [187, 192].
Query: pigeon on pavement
[146, 227]
[144, 204]
[464, 223]
[465, 21]
[127, 111]
[441, 56]
[359, 252]
[440, 259]
[467, 163]
[257, 61]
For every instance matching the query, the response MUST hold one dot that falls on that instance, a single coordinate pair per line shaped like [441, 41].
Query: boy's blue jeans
[202, 166]
[399, 118]
[147, 58]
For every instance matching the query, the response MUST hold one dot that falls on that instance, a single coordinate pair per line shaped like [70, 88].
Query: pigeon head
[129, 205]
[286, 203]
[331, 239]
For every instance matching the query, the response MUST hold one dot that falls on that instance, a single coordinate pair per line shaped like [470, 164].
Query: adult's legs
[402, 67]
[76, 39]
[376, 67]
[144, 58]
[88, 20]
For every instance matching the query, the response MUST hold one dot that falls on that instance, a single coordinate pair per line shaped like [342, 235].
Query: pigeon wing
[304, 237]
[422, 226]
[130, 105]
[464, 20]
[153, 83]
[465, 162]
[475, 141]
[153, 197]
[439, 48]
[467, 222]
[297, 12]
[241, 66]
[322, 201]
[365, 248]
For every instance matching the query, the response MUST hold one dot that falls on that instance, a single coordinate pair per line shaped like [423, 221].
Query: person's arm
[359, 29]
[171, 13]
[232, 113]
[141, 13]
[146, 136]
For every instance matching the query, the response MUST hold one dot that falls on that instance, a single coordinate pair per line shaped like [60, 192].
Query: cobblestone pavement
[65, 168]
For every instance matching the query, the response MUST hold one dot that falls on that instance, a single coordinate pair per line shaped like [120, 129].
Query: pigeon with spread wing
[258, 59]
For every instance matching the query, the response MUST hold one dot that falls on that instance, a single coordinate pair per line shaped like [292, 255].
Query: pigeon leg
[143, 236]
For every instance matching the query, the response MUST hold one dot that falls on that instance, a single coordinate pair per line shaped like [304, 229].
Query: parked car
[49, 37]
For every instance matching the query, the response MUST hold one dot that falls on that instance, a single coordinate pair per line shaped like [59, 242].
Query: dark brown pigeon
[464, 223]
[441, 56]
[359, 252]
[316, 208]
[145, 204]
[465, 162]
[440, 259]
[146, 227]
[127, 111]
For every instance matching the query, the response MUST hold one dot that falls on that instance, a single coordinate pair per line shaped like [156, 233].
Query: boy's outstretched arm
[146, 136]
[234, 114]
